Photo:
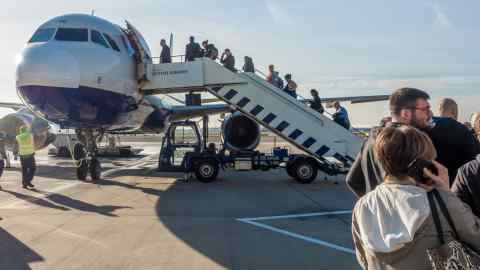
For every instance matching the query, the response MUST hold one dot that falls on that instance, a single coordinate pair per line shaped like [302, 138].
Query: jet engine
[240, 132]
[11, 123]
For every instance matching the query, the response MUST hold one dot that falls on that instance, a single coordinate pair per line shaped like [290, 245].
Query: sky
[338, 47]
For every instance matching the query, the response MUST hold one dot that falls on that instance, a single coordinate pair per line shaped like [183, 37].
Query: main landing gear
[85, 154]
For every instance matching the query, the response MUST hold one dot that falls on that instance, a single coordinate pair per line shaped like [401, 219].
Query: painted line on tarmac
[134, 165]
[299, 215]
[253, 221]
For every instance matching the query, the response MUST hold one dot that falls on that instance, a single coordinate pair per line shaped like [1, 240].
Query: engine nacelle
[240, 132]
[11, 123]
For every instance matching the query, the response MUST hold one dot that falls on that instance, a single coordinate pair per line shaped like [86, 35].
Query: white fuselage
[80, 71]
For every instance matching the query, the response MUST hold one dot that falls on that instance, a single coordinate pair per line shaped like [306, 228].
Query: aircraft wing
[352, 99]
[12, 105]
[356, 99]
[187, 112]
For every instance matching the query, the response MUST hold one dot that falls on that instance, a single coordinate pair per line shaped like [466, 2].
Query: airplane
[80, 72]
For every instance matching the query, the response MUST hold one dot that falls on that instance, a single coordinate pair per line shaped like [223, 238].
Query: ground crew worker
[26, 151]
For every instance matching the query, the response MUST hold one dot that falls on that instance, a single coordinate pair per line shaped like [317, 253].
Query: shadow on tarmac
[106, 182]
[204, 216]
[71, 203]
[50, 171]
[64, 203]
[14, 254]
[34, 200]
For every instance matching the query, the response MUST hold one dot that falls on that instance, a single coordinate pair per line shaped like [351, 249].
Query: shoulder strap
[436, 218]
[445, 212]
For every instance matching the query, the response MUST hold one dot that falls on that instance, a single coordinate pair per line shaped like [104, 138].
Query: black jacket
[316, 104]
[467, 185]
[366, 172]
[248, 66]
[229, 62]
[192, 51]
[165, 56]
[210, 52]
[454, 142]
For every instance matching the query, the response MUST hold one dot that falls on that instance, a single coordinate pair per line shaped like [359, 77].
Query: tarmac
[138, 218]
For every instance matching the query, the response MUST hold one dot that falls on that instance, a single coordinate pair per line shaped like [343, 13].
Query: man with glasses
[410, 106]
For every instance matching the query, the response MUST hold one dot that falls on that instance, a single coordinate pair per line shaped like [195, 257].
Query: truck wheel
[82, 170]
[206, 170]
[290, 168]
[305, 171]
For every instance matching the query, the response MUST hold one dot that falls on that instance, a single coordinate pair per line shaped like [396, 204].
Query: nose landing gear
[85, 154]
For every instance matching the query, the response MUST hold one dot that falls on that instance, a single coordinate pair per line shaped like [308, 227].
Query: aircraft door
[143, 56]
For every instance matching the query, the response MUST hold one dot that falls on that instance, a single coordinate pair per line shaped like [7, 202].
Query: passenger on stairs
[209, 50]
[248, 66]
[341, 115]
[271, 71]
[274, 78]
[291, 87]
[316, 103]
[228, 60]
[277, 81]
[165, 56]
[192, 50]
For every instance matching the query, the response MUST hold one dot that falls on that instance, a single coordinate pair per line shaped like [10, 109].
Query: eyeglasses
[425, 109]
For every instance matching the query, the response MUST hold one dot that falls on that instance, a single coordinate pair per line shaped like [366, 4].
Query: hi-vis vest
[25, 144]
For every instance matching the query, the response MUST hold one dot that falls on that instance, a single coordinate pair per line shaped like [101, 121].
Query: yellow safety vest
[25, 144]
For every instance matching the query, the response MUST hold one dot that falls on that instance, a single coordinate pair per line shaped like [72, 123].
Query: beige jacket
[392, 227]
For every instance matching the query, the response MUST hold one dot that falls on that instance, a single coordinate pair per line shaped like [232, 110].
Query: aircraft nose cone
[47, 65]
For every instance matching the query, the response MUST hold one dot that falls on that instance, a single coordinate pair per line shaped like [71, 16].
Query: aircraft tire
[82, 170]
[305, 171]
[206, 170]
[78, 151]
[95, 170]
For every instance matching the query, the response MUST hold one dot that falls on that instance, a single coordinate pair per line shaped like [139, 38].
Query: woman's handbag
[453, 255]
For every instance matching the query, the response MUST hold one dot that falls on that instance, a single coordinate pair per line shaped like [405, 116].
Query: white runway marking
[134, 165]
[254, 222]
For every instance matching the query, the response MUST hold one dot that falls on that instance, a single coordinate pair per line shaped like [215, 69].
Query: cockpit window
[72, 34]
[42, 35]
[98, 39]
[127, 46]
[112, 42]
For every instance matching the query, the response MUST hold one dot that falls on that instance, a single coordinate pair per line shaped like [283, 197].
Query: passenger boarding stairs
[284, 115]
